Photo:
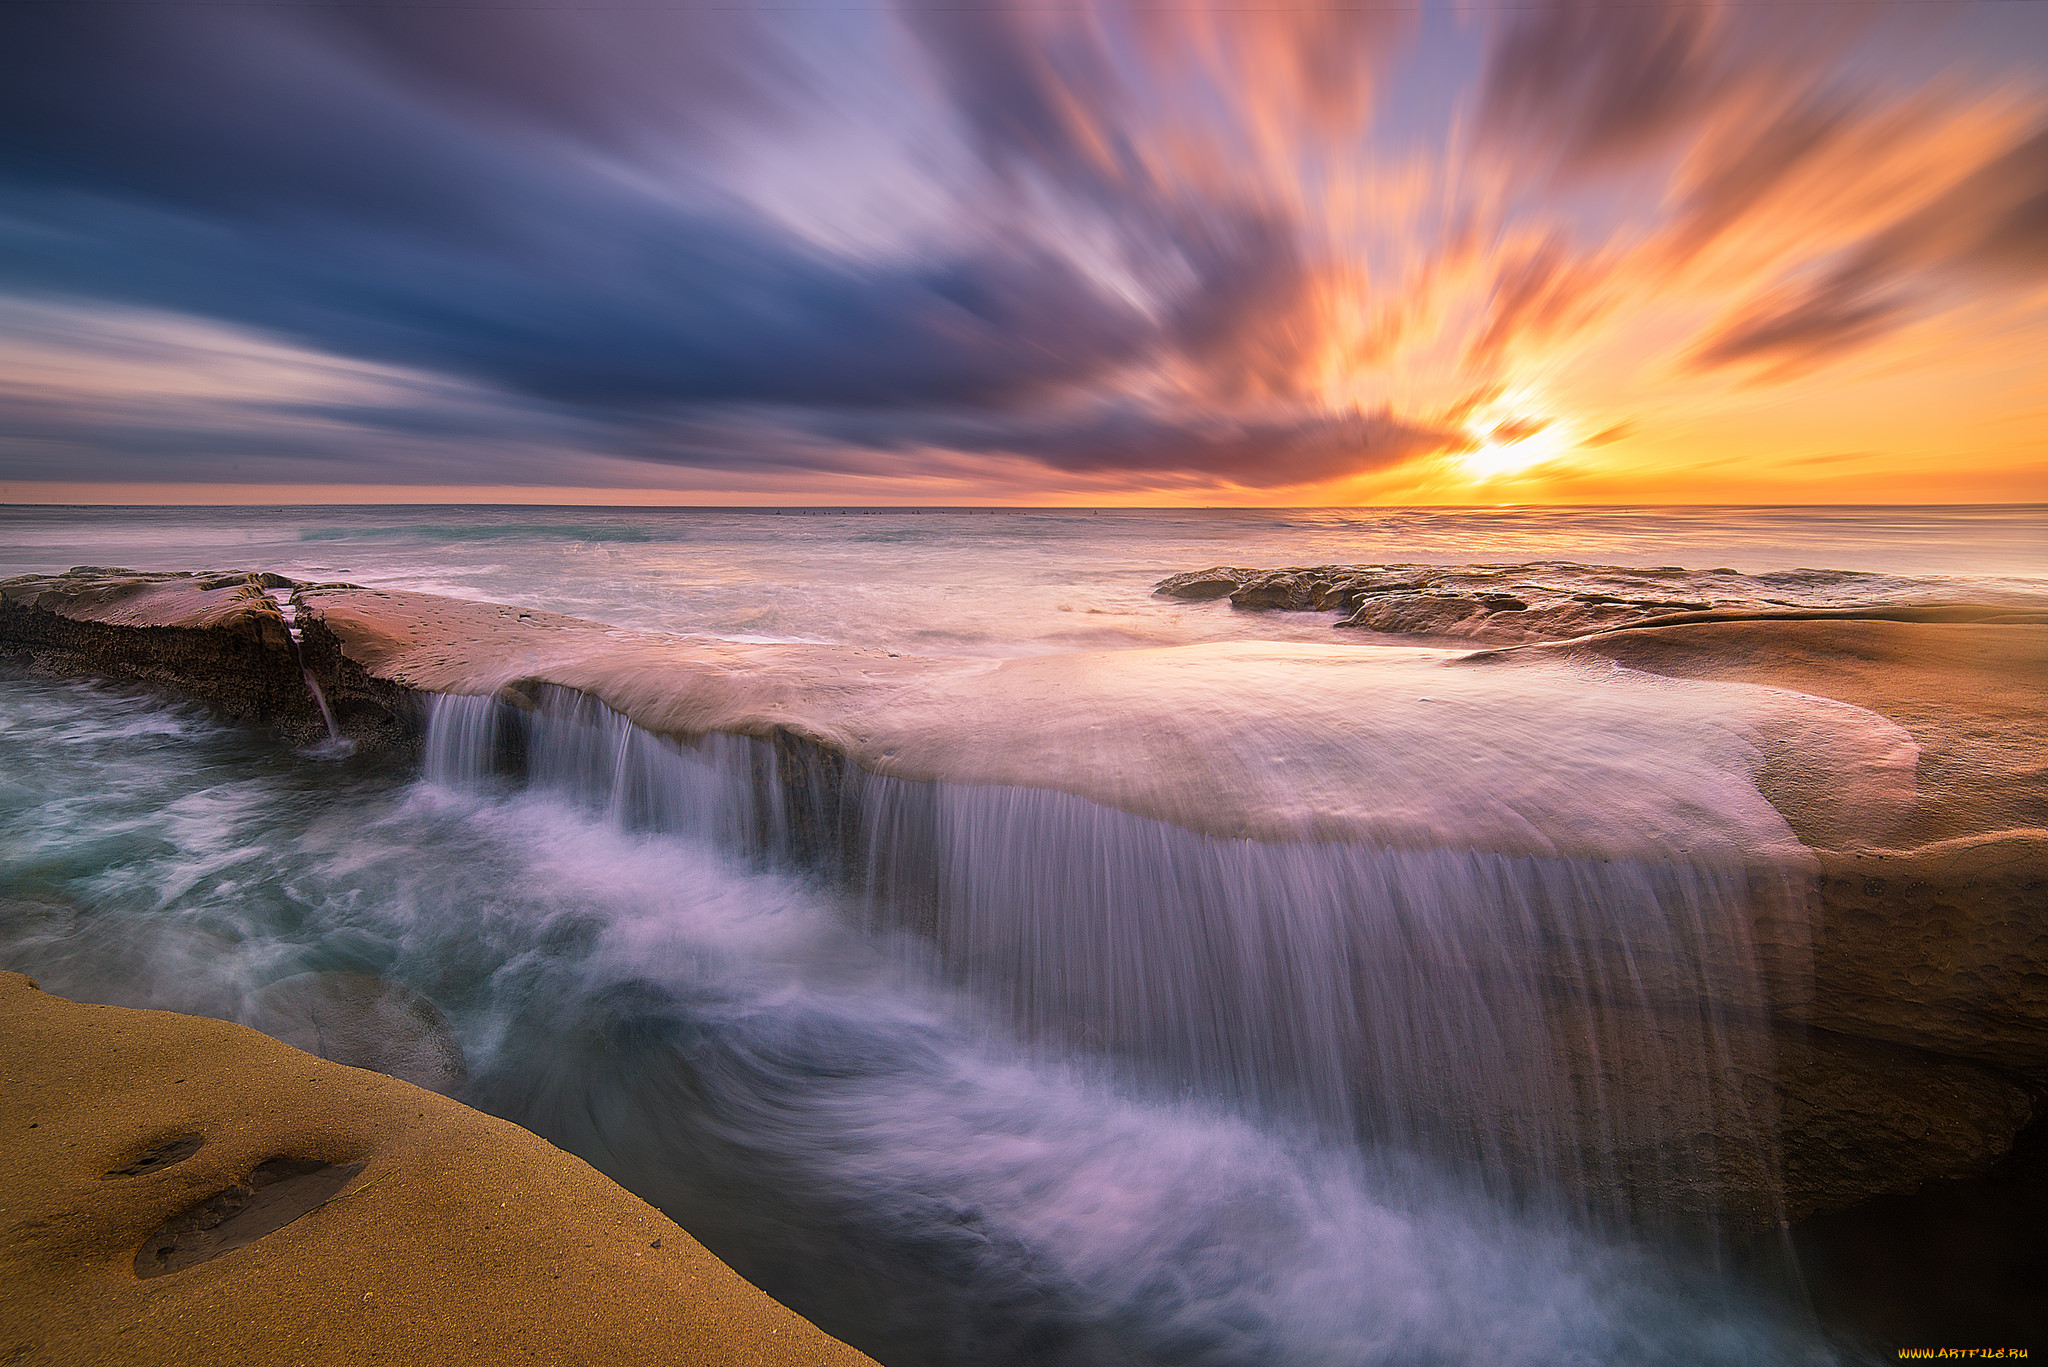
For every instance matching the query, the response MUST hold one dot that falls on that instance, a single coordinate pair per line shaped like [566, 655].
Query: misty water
[1044, 1083]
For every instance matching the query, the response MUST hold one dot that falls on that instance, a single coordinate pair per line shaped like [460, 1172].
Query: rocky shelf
[1548, 601]
[1884, 764]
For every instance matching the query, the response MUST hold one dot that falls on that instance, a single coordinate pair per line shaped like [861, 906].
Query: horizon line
[998, 507]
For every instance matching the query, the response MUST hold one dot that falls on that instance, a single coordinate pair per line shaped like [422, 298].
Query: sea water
[817, 1100]
[881, 1127]
[1002, 581]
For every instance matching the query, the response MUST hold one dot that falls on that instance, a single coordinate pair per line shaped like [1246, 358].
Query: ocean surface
[898, 1142]
[1004, 582]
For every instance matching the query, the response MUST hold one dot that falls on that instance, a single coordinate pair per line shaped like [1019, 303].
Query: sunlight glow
[1513, 433]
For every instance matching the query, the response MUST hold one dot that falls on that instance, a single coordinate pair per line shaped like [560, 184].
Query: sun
[1511, 434]
[1492, 459]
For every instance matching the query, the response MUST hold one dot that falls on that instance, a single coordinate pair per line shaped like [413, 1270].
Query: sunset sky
[1101, 254]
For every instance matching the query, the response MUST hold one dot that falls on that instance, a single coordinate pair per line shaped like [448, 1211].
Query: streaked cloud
[1037, 252]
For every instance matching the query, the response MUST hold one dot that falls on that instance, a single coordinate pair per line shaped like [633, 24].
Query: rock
[1943, 948]
[1858, 1119]
[1428, 614]
[364, 1021]
[1548, 601]
[1287, 590]
[1325, 596]
[459, 1239]
[1202, 584]
[220, 639]
[1907, 980]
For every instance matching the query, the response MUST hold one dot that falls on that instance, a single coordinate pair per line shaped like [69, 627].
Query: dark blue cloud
[261, 173]
[1128, 438]
[1098, 239]
[486, 193]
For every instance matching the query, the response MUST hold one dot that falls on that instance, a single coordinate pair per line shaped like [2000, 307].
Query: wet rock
[158, 1156]
[1549, 601]
[1199, 585]
[364, 1021]
[1325, 596]
[220, 638]
[1912, 1026]
[1432, 614]
[1791, 1122]
[227, 647]
[1858, 1118]
[1286, 590]
[278, 1192]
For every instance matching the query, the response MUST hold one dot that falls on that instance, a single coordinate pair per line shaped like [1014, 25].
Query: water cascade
[1585, 1035]
[336, 743]
[759, 1015]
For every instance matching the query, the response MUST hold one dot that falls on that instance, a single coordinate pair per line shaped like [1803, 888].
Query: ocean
[996, 582]
[892, 1136]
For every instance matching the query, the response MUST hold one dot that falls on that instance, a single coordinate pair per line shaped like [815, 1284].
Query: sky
[1140, 254]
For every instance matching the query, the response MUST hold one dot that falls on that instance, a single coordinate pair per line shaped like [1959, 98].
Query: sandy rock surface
[365, 1220]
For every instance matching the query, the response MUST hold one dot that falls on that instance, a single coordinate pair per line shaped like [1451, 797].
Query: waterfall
[336, 744]
[334, 736]
[1586, 1034]
[1567, 1026]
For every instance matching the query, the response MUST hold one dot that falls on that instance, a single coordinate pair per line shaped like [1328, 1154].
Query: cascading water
[1562, 1029]
[336, 744]
[1574, 1032]
[334, 736]
[891, 1159]
[850, 1121]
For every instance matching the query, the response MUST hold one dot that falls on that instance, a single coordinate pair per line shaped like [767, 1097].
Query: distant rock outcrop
[1516, 604]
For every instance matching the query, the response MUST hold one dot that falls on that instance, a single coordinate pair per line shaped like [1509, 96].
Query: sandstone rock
[1287, 590]
[1566, 600]
[460, 1238]
[1201, 585]
[1859, 1119]
[219, 638]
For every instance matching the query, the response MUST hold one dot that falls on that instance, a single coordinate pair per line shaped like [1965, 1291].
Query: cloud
[316, 199]
[1597, 83]
[1136, 242]
[1263, 451]
[1608, 435]
[1988, 228]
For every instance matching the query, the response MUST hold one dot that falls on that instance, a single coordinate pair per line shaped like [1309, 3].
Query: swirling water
[821, 1101]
